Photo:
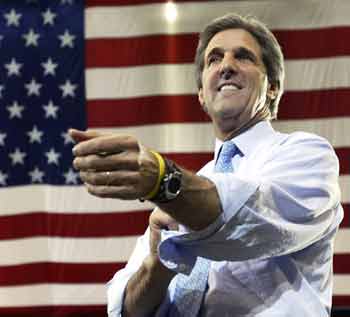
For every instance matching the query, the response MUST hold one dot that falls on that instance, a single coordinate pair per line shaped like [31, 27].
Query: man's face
[234, 80]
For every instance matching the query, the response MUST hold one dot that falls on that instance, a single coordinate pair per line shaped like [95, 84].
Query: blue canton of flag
[42, 91]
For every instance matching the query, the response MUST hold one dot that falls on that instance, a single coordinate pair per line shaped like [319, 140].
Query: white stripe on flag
[342, 245]
[172, 79]
[151, 18]
[335, 130]
[341, 284]
[53, 294]
[88, 250]
[61, 199]
[86, 204]
[91, 294]
[200, 138]
[66, 250]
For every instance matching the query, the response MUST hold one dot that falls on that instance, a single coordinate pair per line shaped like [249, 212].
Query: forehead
[231, 39]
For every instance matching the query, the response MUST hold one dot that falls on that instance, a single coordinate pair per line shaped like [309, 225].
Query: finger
[161, 220]
[120, 192]
[79, 136]
[110, 178]
[113, 162]
[105, 145]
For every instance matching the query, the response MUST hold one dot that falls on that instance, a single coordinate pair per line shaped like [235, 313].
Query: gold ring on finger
[108, 176]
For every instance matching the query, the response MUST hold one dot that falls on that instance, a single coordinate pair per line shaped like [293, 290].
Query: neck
[261, 115]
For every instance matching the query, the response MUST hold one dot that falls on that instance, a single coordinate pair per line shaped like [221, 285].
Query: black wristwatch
[170, 185]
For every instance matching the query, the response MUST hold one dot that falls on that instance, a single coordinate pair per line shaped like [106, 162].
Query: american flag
[127, 66]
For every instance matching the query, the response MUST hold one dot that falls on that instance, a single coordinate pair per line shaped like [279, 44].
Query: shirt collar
[247, 141]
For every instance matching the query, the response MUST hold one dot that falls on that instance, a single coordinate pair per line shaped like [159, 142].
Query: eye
[214, 58]
[245, 56]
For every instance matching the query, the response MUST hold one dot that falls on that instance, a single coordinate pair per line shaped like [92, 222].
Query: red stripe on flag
[311, 43]
[99, 224]
[315, 104]
[146, 50]
[180, 48]
[341, 301]
[341, 264]
[343, 154]
[97, 310]
[73, 225]
[145, 110]
[186, 108]
[191, 161]
[37, 273]
[55, 311]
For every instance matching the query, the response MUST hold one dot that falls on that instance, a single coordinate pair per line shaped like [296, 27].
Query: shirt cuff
[115, 294]
[176, 248]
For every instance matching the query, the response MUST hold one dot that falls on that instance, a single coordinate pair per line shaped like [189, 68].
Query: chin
[228, 112]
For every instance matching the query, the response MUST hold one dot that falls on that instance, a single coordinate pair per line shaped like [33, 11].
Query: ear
[200, 96]
[201, 99]
[272, 91]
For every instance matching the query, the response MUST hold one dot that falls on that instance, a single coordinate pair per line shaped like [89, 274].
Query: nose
[228, 68]
[227, 72]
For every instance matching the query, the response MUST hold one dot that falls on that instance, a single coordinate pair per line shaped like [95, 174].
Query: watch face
[174, 185]
[170, 186]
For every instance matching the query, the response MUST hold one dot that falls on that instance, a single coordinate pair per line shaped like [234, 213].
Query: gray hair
[272, 56]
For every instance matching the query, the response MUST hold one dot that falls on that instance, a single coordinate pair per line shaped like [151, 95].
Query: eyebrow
[238, 50]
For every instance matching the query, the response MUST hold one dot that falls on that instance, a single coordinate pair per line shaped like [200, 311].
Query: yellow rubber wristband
[161, 173]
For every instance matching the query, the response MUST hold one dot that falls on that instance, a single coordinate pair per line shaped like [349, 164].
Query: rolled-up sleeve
[279, 202]
[117, 285]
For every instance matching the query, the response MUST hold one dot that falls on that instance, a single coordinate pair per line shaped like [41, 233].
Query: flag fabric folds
[127, 67]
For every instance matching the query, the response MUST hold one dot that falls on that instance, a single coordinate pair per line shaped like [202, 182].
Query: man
[256, 225]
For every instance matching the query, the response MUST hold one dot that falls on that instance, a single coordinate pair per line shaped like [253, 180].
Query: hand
[114, 166]
[159, 220]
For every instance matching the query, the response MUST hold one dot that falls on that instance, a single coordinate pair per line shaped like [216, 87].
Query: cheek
[259, 85]
[210, 78]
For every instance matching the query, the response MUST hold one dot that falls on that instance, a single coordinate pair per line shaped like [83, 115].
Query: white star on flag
[2, 138]
[49, 67]
[50, 110]
[1, 90]
[13, 68]
[67, 39]
[48, 17]
[67, 1]
[52, 156]
[17, 156]
[33, 88]
[31, 38]
[12, 18]
[36, 175]
[35, 135]
[68, 89]
[71, 177]
[3, 178]
[15, 110]
[67, 138]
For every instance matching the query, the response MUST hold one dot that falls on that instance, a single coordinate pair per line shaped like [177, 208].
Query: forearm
[198, 204]
[147, 288]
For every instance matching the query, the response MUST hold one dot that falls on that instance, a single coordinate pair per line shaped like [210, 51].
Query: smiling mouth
[229, 87]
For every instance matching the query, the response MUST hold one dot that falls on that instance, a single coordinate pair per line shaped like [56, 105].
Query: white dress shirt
[271, 248]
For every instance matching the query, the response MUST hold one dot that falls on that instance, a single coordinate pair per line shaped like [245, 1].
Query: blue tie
[189, 290]
[224, 161]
